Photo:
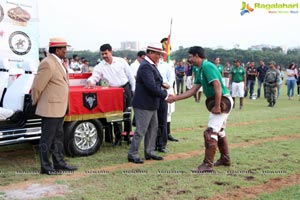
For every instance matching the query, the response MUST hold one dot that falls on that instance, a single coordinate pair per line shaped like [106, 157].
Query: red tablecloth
[91, 103]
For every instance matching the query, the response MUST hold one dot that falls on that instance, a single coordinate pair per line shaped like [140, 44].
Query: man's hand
[165, 85]
[89, 84]
[171, 99]
[216, 109]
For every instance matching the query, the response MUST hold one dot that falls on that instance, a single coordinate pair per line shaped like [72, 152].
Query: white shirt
[60, 62]
[117, 73]
[134, 67]
[167, 73]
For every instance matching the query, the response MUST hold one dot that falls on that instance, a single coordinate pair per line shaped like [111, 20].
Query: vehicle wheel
[83, 138]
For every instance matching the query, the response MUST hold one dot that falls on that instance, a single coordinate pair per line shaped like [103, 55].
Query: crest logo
[90, 100]
[246, 8]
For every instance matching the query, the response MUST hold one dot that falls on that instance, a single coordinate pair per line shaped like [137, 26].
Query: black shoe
[65, 167]
[153, 157]
[270, 105]
[273, 104]
[162, 150]
[171, 138]
[118, 142]
[50, 171]
[136, 160]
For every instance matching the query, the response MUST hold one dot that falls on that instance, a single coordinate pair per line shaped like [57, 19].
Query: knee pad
[221, 133]
[209, 135]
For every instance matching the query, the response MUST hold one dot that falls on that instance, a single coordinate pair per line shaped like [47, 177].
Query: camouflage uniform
[271, 81]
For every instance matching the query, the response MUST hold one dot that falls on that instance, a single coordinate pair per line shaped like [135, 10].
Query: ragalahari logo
[246, 8]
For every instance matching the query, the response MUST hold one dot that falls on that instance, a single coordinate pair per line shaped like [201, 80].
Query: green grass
[252, 164]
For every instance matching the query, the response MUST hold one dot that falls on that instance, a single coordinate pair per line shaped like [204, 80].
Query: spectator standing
[50, 94]
[291, 80]
[298, 81]
[261, 73]
[226, 73]
[251, 78]
[118, 74]
[179, 71]
[271, 82]
[281, 80]
[145, 103]
[85, 66]
[237, 79]
[219, 66]
[135, 65]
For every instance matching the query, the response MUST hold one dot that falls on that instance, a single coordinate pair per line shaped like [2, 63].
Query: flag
[167, 56]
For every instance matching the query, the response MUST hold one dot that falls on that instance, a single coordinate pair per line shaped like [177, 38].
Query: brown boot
[210, 151]
[223, 148]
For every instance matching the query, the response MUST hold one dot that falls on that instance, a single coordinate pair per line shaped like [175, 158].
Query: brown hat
[58, 42]
[155, 47]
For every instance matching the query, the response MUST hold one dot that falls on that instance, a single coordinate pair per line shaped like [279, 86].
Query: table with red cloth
[92, 103]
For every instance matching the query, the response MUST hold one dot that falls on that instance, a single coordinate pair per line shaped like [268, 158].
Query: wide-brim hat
[157, 47]
[58, 42]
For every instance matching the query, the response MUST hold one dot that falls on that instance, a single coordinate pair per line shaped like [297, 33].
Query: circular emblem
[19, 43]
[1, 13]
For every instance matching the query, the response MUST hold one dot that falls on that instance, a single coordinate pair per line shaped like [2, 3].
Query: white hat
[155, 47]
[58, 42]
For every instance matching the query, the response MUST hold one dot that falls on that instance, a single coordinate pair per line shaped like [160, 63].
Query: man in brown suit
[50, 93]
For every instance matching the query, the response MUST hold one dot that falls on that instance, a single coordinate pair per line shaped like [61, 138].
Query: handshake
[171, 99]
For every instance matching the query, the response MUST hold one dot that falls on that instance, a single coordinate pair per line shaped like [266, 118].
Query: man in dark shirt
[261, 73]
[251, 78]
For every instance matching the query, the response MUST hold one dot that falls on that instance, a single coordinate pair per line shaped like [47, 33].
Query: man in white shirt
[118, 74]
[135, 65]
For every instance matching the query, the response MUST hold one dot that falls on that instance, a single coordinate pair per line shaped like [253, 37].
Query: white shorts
[237, 89]
[218, 121]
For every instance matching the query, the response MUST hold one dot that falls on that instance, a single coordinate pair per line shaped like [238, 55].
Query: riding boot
[223, 148]
[210, 151]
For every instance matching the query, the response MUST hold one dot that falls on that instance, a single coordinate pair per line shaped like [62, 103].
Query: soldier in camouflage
[271, 82]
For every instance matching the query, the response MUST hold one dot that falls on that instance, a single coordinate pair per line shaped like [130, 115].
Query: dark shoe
[118, 142]
[171, 138]
[65, 167]
[50, 171]
[162, 150]
[153, 157]
[204, 168]
[136, 160]
[270, 105]
[224, 160]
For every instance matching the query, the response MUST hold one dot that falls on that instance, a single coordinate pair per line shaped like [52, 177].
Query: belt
[238, 82]
[125, 85]
[28, 72]
[271, 82]
[3, 70]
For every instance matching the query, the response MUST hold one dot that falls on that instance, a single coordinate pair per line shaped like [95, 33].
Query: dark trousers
[127, 123]
[162, 134]
[51, 142]
[250, 87]
[179, 84]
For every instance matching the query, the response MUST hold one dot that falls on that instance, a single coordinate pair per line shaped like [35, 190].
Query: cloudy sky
[215, 23]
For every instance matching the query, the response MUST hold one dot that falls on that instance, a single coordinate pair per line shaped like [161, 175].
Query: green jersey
[237, 74]
[208, 73]
[220, 68]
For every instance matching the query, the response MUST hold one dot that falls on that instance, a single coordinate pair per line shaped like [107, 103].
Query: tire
[83, 138]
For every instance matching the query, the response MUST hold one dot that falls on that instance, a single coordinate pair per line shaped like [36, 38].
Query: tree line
[266, 54]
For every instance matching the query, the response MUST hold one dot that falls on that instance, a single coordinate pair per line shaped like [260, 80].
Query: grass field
[264, 146]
